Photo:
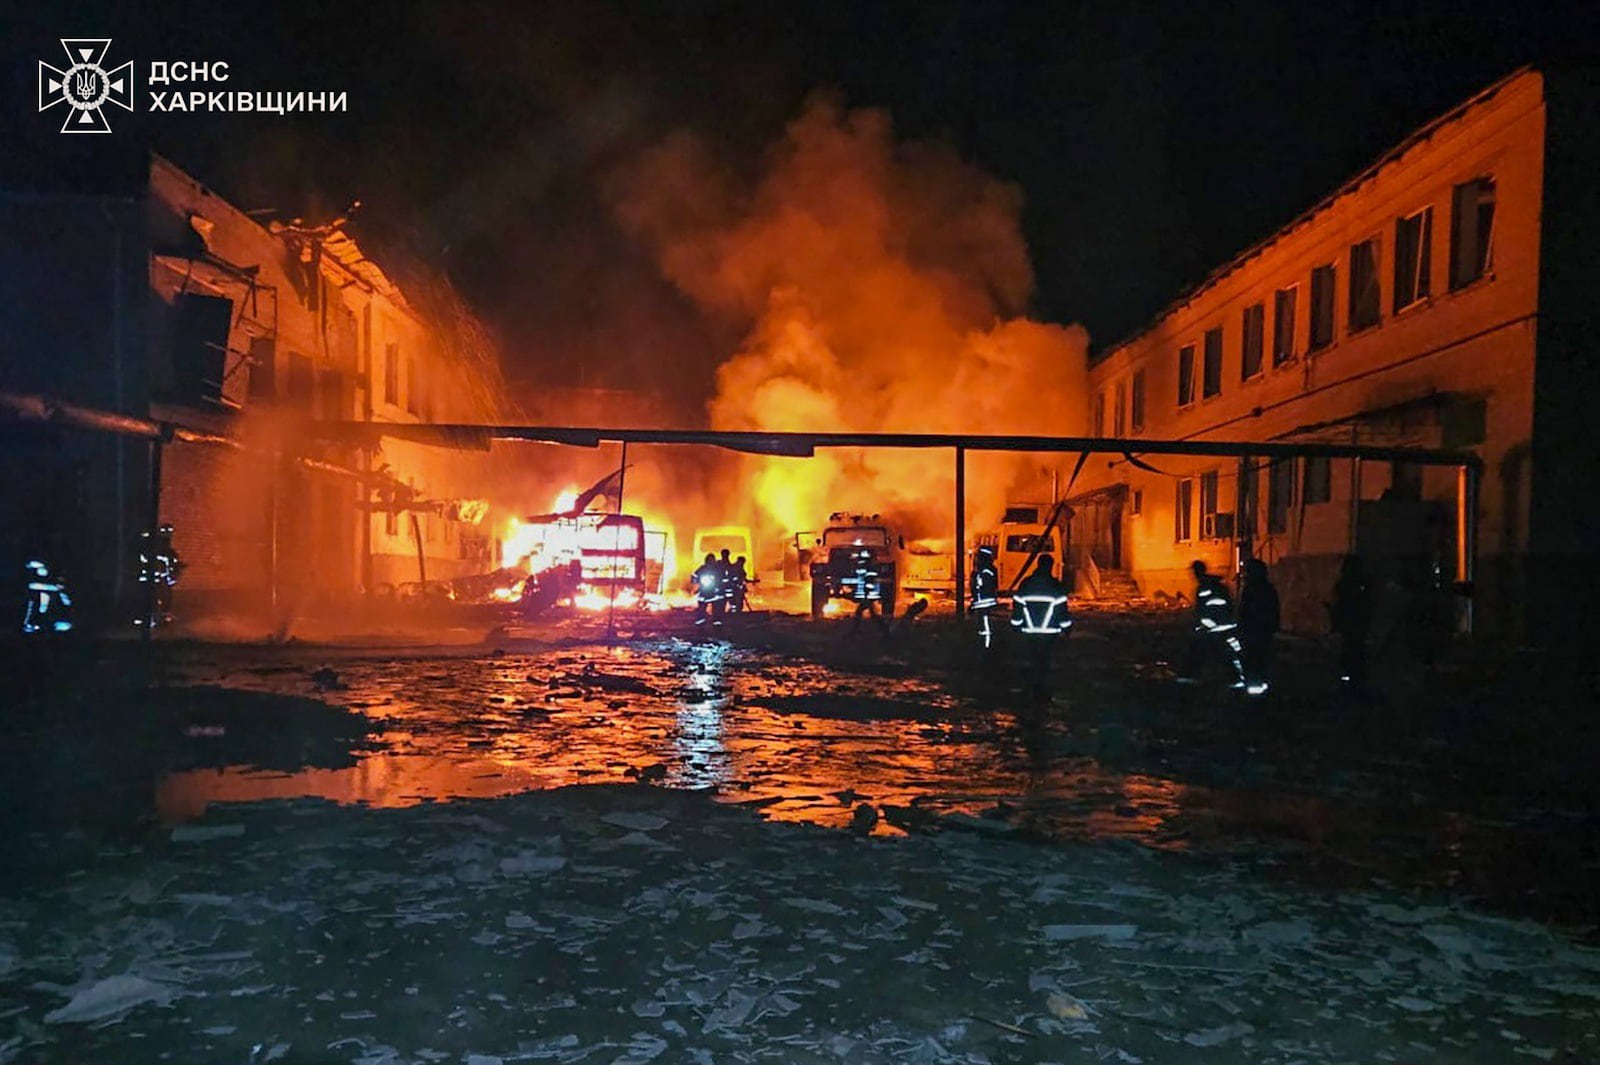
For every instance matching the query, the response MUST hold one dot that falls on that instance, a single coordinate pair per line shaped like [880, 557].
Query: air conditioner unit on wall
[1216, 526]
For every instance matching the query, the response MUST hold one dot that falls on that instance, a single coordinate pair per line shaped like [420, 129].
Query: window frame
[1418, 280]
[1358, 302]
[1282, 358]
[1206, 391]
[1260, 334]
[1186, 389]
[1210, 496]
[1119, 410]
[1330, 271]
[1099, 421]
[1483, 259]
[1136, 402]
[391, 373]
[1280, 499]
[1183, 511]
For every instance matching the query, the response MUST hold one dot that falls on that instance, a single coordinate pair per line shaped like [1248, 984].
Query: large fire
[881, 286]
[620, 560]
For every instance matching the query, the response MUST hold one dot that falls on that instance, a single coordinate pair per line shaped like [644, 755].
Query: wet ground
[1296, 801]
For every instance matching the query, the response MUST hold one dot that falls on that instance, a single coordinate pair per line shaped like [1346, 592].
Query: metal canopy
[804, 445]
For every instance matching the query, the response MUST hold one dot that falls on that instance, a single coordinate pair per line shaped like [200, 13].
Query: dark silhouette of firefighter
[1350, 615]
[707, 582]
[738, 586]
[985, 589]
[1039, 610]
[866, 591]
[1215, 634]
[47, 608]
[1259, 622]
[159, 569]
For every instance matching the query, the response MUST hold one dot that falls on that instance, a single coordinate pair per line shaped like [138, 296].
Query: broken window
[391, 374]
[1365, 297]
[1471, 231]
[1183, 511]
[1318, 487]
[1283, 311]
[1138, 401]
[1186, 375]
[1280, 494]
[1251, 346]
[1322, 279]
[1413, 248]
[1119, 413]
[1212, 384]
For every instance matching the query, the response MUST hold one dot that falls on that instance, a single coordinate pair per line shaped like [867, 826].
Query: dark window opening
[1099, 414]
[1183, 512]
[1413, 250]
[1322, 281]
[1283, 311]
[1119, 414]
[1365, 297]
[1136, 502]
[1251, 346]
[1471, 232]
[1280, 494]
[1208, 504]
[1186, 375]
[1138, 401]
[1212, 383]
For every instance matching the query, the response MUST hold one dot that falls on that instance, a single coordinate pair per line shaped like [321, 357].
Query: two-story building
[1411, 307]
[250, 333]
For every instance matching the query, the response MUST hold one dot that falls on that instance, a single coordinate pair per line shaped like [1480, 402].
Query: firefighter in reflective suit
[1215, 631]
[48, 607]
[866, 591]
[707, 582]
[1039, 610]
[159, 568]
[985, 592]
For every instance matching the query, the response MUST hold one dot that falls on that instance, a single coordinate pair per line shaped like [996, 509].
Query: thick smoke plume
[882, 287]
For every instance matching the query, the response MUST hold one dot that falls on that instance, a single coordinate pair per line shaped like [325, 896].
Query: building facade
[250, 336]
[1406, 309]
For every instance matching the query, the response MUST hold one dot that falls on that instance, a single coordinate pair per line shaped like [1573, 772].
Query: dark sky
[1151, 141]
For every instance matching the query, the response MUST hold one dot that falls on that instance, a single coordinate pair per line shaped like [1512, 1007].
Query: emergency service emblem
[85, 86]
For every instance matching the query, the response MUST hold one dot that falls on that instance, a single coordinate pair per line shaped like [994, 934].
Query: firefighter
[707, 584]
[866, 589]
[159, 569]
[1215, 633]
[1259, 622]
[48, 607]
[985, 592]
[1039, 610]
[738, 582]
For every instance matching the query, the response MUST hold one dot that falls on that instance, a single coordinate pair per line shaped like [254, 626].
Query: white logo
[85, 86]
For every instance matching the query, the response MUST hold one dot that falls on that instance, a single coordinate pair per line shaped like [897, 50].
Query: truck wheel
[819, 598]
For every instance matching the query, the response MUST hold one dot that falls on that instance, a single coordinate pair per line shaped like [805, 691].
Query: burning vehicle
[594, 561]
[834, 561]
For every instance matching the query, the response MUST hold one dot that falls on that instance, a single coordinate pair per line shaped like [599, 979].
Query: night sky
[1151, 141]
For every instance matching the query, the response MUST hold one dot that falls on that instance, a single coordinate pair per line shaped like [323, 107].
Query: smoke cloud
[879, 286]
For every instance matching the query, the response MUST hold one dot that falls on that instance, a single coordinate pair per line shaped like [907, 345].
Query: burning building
[249, 337]
[1434, 300]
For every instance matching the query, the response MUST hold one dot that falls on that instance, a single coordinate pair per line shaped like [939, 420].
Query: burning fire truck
[833, 559]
